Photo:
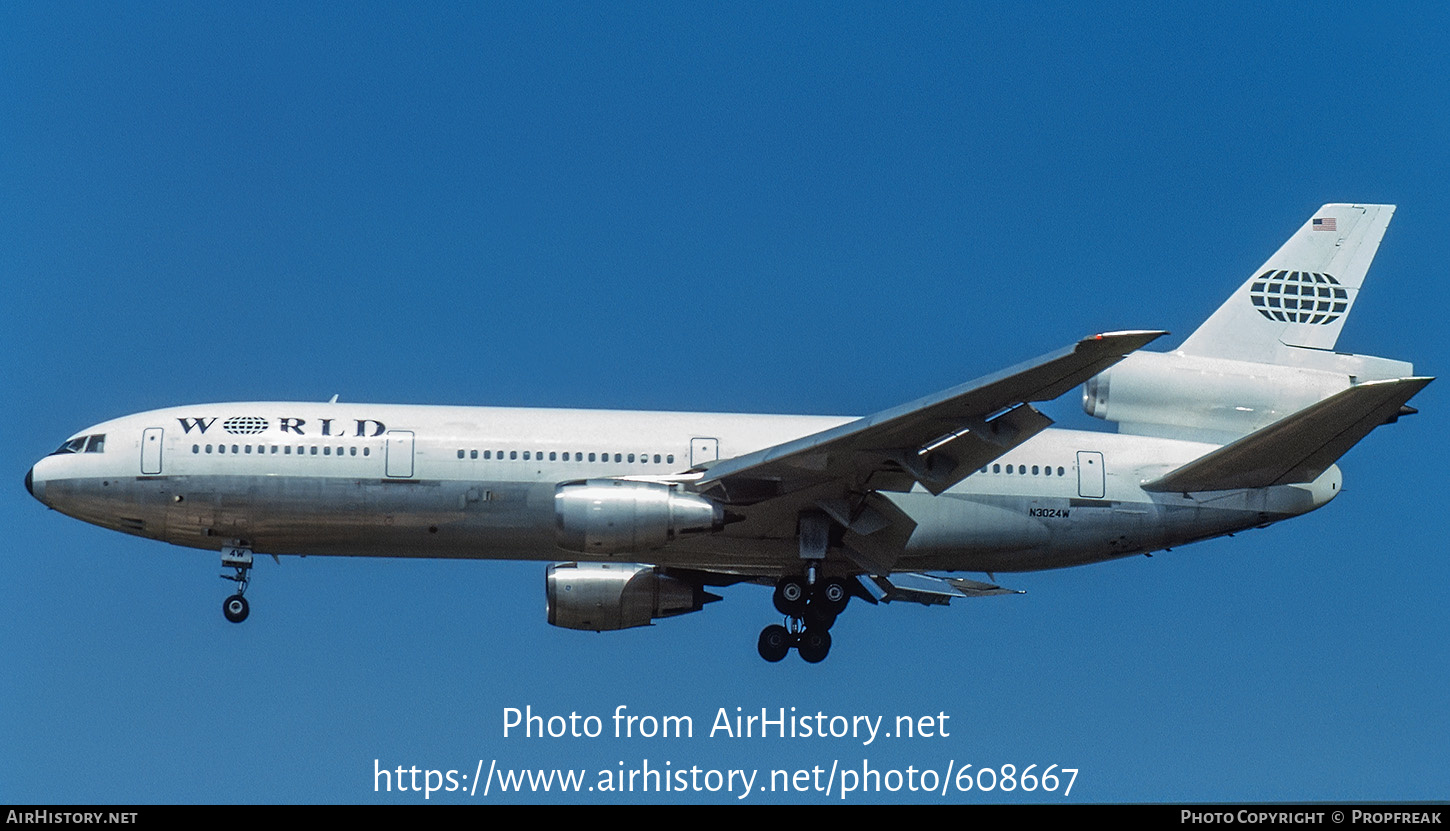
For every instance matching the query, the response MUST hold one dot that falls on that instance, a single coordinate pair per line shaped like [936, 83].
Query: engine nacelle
[612, 516]
[604, 596]
[1189, 396]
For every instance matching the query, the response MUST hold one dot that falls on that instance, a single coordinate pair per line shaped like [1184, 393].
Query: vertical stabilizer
[1301, 296]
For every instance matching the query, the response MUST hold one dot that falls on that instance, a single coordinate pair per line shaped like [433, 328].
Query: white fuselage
[479, 482]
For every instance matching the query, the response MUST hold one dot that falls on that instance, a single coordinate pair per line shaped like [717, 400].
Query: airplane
[641, 513]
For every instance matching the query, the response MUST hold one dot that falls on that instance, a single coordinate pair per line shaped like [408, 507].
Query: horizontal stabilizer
[1297, 448]
[930, 591]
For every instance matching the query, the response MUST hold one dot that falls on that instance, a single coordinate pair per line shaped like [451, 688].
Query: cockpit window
[82, 444]
[75, 445]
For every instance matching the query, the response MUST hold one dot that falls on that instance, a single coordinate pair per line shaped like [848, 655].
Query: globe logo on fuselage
[244, 425]
[1299, 297]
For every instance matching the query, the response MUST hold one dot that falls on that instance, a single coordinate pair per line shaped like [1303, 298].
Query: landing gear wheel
[775, 642]
[814, 645]
[834, 594]
[790, 596]
[236, 608]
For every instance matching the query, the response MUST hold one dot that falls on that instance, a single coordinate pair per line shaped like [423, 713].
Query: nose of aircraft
[30, 485]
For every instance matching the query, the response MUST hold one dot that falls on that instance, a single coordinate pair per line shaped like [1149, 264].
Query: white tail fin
[1266, 353]
[1301, 296]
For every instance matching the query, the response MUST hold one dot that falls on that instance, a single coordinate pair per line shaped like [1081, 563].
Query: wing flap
[931, 591]
[1297, 448]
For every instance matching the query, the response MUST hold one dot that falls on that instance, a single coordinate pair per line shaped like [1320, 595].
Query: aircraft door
[703, 450]
[1091, 482]
[151, 451]
[400, 454]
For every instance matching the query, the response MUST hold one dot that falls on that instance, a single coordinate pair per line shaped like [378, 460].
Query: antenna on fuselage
[333, 399]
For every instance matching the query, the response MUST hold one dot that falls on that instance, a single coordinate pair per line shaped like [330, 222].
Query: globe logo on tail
[1299, 297]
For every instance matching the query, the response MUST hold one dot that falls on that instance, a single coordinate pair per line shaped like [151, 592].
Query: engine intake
[600, 597]
[611, 516]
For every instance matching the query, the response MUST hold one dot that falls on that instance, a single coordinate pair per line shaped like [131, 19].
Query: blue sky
[822, 208]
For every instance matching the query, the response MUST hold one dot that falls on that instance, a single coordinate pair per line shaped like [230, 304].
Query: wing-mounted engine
[612, 516]
[600, 597]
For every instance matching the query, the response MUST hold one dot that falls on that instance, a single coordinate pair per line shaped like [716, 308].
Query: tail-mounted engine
[604, 596]
[1217, 399]
[612, 516]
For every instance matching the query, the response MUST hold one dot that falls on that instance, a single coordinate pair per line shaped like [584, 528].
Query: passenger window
[513, 454]
[1059, 471]
[473, 454]
[1034, 470]
[196, 448]
[314, 450]
[352, 451]
[553, 457]
[996, 468]
[591, 457]
[365, 451]
[488, 454]
[670, 458]
[657, 458]
[208, 448]
[616, 457]
[460, 454]
[526, 455]
[631, 458]
[327, 451]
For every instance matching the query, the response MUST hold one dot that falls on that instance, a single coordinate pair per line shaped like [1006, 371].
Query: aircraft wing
[936, 441]
[1298, 447]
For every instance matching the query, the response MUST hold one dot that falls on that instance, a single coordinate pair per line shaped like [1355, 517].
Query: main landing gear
[809, 604]
[810, 609]
[236, 608]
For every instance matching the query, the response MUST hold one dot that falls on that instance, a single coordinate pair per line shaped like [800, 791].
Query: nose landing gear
[236, 608]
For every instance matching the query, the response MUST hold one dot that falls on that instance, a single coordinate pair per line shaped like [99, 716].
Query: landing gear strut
[236, 608]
